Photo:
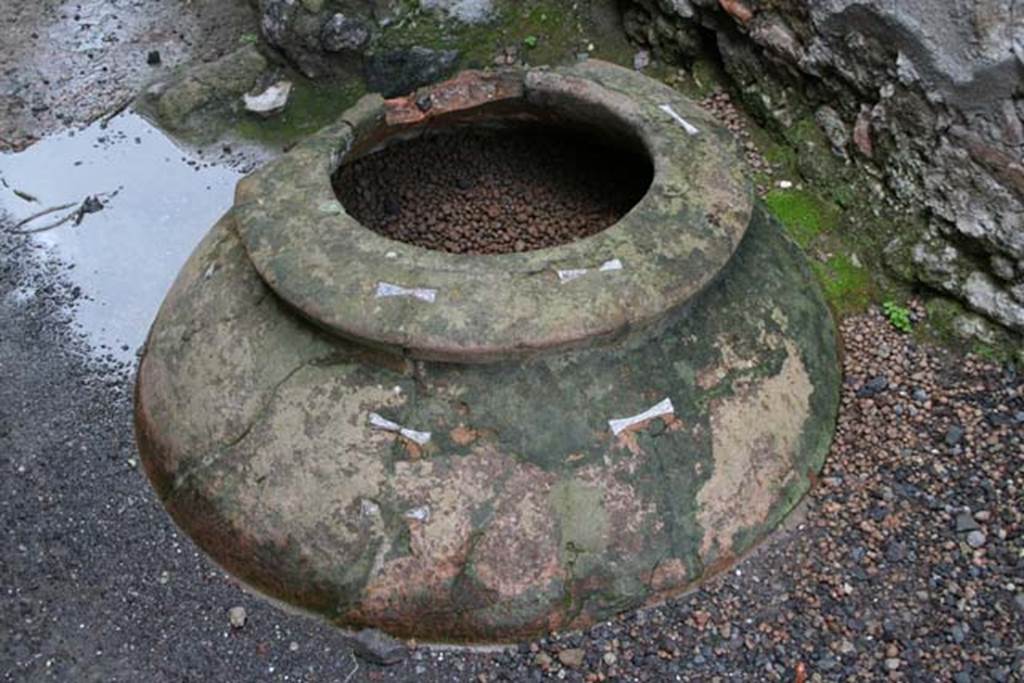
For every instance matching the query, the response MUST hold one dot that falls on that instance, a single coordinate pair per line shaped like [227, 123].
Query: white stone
[420, 514]
[985, 297]
[237, 617]
[271, 100]
[466, 11]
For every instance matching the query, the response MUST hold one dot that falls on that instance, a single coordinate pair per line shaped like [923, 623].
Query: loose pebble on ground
[877, 577]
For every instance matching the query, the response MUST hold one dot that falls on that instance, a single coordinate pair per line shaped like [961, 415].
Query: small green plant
[899, 316]
[248, 39]
[530, 41]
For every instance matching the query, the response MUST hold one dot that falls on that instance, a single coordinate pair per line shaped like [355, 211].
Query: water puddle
[158, 201]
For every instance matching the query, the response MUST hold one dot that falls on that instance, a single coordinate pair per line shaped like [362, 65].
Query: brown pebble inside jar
[487, 190]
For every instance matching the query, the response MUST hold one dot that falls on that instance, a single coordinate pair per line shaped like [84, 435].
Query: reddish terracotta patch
[519, 550]
[632, 523]
[862, 134]
[738, 10]
[667, 579]
[412, 449]
[627, 439]
[709, 377]
[1005, 168]
[463, 435]
[468, 90]
[668, 574]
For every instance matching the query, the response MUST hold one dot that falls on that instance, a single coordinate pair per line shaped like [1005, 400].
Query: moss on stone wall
[848, 286]
[804, 214]
[832, 118]
[542, 31]
[531, 31]
[311, 106]
[951, 324]
[828, 207]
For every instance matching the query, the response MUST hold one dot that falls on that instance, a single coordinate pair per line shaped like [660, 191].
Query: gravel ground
[906, 561]
[721, 106]
[489, 193]
[909, 564]
[97, 582]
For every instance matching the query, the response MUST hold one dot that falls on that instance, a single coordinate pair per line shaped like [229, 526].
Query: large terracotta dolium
[478, 449]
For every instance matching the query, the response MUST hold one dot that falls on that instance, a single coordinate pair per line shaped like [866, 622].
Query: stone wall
[337, 38]
[398, 45]
[927, 95]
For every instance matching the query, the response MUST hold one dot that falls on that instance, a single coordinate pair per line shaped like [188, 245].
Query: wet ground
[97, 583]
[907, 565]
[157, 202]
[67, 63]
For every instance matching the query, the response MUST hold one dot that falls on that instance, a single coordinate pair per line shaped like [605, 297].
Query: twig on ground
[21, 194]
[91, 204]
[40, 214]
[48, 226]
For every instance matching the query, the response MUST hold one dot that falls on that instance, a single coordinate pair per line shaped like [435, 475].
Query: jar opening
[495, 189]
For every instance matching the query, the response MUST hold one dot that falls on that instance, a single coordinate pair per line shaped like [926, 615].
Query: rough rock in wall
[343, 38]
[928, 95]
[394, 46]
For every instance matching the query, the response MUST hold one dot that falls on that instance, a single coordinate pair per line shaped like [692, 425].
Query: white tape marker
[386, 289]
[368, 508]
[565, 276]
[422, 438]
[420, 514]
[570, 275]
[687, 126]
[663, 408]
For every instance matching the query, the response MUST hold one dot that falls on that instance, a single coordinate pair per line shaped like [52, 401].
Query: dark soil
[491, 192]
